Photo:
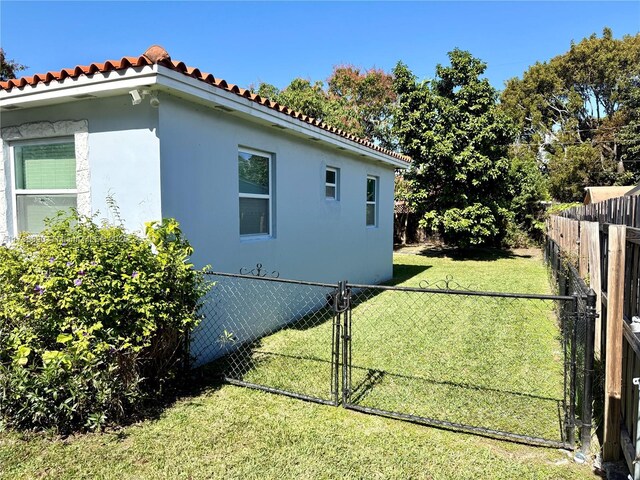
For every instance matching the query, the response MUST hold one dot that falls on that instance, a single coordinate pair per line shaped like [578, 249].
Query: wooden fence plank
[576, 238]
[583, 259]
[613, 362]
[592, 233]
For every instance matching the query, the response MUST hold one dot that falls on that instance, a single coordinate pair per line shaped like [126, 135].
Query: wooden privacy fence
[603, 241]
[616, 211]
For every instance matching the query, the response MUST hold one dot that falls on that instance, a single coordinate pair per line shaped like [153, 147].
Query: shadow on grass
[430, 402]
[476, 406]
[367, 384]
[476, 254]
[297, 375]
[187, 387]
[375, 376]
[239, 363]
[404, 272]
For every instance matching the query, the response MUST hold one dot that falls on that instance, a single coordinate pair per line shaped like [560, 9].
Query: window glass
[253, 173]
[330, 192]
[254, 216]
[33, 209]
[331, 183]
[45, 166]
[41, 171]
[371, 189]
[255, 193]
[371, 214]
[372, 202]
[331, 176]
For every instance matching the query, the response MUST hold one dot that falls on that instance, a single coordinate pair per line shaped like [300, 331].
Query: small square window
[332, 178]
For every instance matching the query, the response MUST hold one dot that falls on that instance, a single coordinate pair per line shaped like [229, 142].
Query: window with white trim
[332, 183]
[44, 179]
[372, 201]
[254, 175]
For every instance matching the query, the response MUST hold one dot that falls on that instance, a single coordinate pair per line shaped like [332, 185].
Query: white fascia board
[99, 83]
[121, 81]
[198, 89]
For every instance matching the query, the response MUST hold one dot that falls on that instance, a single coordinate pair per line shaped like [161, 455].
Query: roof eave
[196, 89]
[108, 83]
[118, 82]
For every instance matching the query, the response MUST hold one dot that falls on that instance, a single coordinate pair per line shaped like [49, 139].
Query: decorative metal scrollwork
[447, 284]
[259, 272]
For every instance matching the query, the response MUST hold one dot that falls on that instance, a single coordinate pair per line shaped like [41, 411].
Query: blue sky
[249, 42]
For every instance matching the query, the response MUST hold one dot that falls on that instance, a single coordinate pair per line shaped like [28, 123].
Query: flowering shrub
[92, 321]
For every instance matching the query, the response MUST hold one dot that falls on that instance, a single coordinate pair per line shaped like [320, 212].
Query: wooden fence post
[592, 231]
[613, 365]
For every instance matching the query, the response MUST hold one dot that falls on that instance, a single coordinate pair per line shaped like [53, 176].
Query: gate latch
[340, 298]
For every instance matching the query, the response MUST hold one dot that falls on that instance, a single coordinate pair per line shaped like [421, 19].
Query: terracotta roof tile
[157, 55]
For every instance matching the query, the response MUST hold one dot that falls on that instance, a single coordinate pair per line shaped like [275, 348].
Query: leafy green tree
[8, 68]
[403, 210]
[266, 90]
[630, 131]
[574, 111]
[358, 102]
[368, 99]
[458, 139]
[300, 95]
[529, 190]
[575, 167]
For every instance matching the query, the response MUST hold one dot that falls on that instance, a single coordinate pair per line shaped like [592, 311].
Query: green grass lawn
[234, 432]
[480, 361]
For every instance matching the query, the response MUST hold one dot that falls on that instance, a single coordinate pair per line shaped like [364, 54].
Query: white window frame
[16, 192]
[374, 202]
[78, 129]
[336, 185]
[269, 197]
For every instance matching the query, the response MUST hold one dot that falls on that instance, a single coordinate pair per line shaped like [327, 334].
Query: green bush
[92, 322]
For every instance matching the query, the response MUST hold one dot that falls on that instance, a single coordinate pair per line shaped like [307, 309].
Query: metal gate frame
[570, 367]
[338, 309]
[342, 362]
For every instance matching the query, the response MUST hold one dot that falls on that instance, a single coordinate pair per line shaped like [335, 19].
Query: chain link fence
[274, 334]
[491, 364]
[579, 339]
[496, 364]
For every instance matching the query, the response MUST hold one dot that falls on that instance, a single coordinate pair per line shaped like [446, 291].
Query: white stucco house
[250, 181]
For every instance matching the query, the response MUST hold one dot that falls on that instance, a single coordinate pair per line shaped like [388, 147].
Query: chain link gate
[523, 386]
[427, 355]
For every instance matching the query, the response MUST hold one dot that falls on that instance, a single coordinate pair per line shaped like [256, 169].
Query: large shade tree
[458, 139]
[578, 114]
[358, 101]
